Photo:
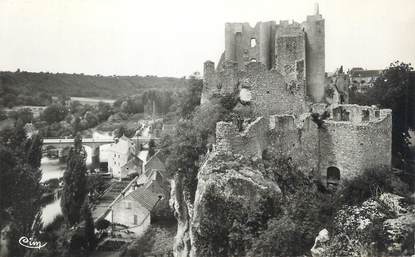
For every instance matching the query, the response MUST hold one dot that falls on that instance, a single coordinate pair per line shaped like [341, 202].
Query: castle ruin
[278, 73]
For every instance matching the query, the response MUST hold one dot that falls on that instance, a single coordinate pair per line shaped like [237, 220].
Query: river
[52, 168]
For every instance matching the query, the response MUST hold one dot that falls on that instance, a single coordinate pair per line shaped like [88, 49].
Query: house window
[128, 205]
[135, 219]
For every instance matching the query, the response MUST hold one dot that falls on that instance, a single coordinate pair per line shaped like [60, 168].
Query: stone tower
[244, 44]
[289, 58]
[315, 56]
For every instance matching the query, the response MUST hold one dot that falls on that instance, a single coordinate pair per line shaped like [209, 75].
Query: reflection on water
[51, 168]
[50, 211]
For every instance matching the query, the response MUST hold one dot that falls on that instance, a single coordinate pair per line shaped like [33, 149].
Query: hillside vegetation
[26, 83]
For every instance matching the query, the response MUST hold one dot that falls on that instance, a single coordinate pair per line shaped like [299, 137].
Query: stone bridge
[68, 142]
[93, 143]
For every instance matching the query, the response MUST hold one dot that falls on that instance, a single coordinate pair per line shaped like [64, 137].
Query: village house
[122, 159]
[134, 210]
[363, 79]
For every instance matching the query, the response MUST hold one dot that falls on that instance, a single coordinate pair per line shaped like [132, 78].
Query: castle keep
[278, 73]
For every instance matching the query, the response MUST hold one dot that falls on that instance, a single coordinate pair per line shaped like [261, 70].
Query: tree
[395, 89]
[76, 125]
[20, 188]
[151, 147]
[75, 184]
[89, 226]
[104, 111]
[34, 151]
[191, 98]
[54, 113]
[22, 116]
[278, 239]
[102, 224]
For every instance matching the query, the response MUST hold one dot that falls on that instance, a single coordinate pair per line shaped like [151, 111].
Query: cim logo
[30, 243]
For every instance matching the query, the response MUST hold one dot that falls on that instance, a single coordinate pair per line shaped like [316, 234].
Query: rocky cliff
[231, 190]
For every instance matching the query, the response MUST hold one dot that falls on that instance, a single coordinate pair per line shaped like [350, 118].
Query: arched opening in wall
[333, 176]
[253, 42]
[252, 60]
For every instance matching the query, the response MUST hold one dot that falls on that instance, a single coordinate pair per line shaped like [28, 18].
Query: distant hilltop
[82, 85]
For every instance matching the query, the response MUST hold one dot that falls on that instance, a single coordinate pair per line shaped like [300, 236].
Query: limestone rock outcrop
[382, 226]
[228, 185]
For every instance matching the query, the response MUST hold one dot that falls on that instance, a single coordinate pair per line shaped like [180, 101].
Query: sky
[175, 37]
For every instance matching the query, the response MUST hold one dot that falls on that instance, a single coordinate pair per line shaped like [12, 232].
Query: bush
[281, 238]
[369, 184]
[142, 245]
[102, 224]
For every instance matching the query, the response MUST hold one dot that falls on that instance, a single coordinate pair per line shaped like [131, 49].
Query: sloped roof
[145, 197]
[155, 157]
[158, 186]
[365, 73]
[134, 160]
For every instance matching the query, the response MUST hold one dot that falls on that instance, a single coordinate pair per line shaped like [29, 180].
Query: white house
[119, 155]
[134, 210]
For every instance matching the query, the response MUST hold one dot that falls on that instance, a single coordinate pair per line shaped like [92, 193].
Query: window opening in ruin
[345, 115]
[253, 60]
[253, 42]
[377, 114]
[342, 99]
[333, 175]
[339, 114]
[365, 115]
[300, 66]
[268, 92]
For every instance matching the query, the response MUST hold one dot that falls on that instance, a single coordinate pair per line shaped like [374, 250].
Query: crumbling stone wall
[249, 142]
[219, 83]
[355, 145]
[296, 139]
[270, 92]
[337, 88]
[351, 146]
[290, 54]
[244, 44]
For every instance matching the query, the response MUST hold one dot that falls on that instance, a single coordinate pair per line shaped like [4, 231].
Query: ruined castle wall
[290, 52]
[244, 44]
[270, 92]
[296, 139]
[354, 113]
[352, 146]
[315, 56]
[219, 83]
[250, 142]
